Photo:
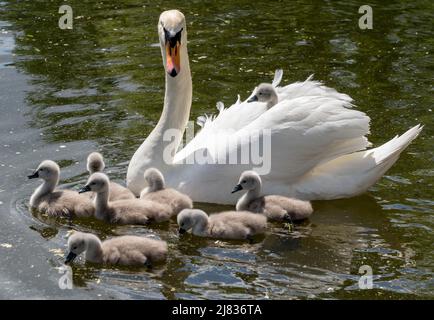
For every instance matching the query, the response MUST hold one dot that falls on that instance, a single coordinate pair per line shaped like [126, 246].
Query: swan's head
[95, 162]
[97, 182]
[48, 170]
[265, 92]
[189, 218]
[77, 244]
[173, 36]
[249, 180]
[154, 178]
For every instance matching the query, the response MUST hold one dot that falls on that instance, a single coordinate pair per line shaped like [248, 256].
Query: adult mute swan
[313, 143]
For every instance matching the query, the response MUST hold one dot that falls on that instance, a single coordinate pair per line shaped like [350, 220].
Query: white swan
[317, 140]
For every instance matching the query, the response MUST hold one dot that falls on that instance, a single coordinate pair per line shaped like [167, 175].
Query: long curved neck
[45, 188]
[159, 148]
[94, 252]
[176, 111]
[251, 195]
[101, 204]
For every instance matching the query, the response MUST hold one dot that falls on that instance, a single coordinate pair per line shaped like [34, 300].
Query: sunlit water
[100, 86]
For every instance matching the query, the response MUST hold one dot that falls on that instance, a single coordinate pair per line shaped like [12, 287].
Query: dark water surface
[100, 86]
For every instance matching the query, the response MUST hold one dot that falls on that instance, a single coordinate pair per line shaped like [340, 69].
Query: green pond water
[100, 86]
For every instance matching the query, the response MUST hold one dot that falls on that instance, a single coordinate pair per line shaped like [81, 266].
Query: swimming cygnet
[95, 163]
[157, 191]
[274, 207]
[130, 211]
[265, 92]
[224, 225]
[47, 199]
[124, 250]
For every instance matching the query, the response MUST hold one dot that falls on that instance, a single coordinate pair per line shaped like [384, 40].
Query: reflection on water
[100, 87]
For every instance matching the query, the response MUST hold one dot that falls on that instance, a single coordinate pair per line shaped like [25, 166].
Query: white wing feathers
[278, 75]
[310, 125]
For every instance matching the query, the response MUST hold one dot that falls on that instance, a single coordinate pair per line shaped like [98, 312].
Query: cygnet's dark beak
[33, 176]
[182, 231]
[84, 189]
[237, 188]
[70, 257]
[253, 99]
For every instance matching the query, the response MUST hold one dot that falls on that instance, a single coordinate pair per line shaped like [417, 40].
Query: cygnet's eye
[74, 248]
[244, 181]
[93, 183]
[40, 170]
[260, 93]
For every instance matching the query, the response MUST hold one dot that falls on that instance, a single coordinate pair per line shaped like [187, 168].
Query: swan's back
[175, 199]
[133, 250]
[65, 203]
[236, 224]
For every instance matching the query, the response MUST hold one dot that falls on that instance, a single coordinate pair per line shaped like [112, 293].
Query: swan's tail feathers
[353, 174]
[395, 146]
[278, 75]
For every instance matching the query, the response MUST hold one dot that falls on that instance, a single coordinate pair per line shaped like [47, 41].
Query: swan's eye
[244, 181]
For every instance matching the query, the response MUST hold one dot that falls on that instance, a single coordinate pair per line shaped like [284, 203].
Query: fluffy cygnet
[130, 211]
[274, 207]
[157, 191]
[224, 225]
[265, 92]
[95, 163]
[125, 250]
[47, 199]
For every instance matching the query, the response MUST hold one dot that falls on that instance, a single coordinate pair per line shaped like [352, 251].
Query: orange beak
[173, 59]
